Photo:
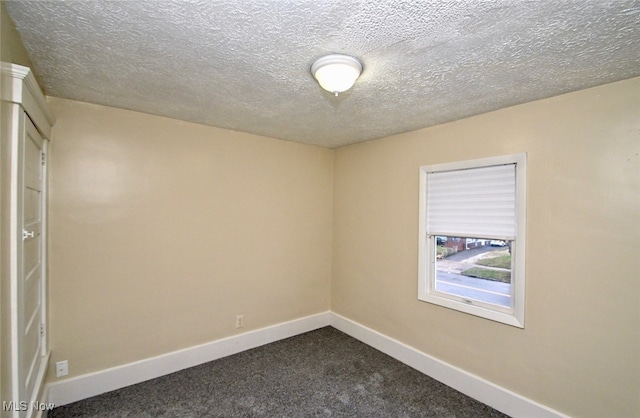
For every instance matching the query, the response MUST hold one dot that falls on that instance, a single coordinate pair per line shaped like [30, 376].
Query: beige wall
[162, 231]
[579, 351]
[11, 47]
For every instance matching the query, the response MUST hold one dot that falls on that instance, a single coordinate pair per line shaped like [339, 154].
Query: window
[472, 237]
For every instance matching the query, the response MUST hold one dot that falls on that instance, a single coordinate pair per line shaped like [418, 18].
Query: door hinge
[42, 330]
[43, 158]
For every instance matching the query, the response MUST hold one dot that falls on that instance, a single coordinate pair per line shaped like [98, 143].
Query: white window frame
[513, 315]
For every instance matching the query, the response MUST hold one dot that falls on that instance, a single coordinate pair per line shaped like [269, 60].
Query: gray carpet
[323, 373]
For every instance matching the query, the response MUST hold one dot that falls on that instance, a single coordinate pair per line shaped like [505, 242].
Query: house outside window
[472, 237]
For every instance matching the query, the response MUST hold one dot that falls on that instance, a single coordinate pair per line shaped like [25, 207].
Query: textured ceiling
[244, 64]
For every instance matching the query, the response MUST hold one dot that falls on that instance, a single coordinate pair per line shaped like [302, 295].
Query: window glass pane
[474, 268]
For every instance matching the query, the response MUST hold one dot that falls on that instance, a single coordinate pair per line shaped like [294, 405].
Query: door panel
[32, 206]
[32, 303]
[32, 259]
[33, 158]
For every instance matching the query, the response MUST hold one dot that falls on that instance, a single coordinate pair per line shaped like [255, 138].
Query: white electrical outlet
[239, 321]
[62, 368]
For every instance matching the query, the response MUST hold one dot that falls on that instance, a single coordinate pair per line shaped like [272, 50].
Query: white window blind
[474, 202]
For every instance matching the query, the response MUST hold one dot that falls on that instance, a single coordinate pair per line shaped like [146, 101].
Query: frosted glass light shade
[336, 73]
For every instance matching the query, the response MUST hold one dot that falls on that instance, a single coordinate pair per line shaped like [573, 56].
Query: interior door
[30, 291]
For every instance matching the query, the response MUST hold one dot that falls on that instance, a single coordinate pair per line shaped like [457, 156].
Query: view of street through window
[478, 269]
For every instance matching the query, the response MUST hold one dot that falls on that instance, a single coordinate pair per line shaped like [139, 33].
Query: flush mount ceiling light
[336, 73]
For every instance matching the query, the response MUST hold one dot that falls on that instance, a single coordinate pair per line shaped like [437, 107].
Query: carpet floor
[322, 373]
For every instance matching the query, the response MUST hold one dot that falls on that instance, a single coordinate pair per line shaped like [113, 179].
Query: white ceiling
[244, 64]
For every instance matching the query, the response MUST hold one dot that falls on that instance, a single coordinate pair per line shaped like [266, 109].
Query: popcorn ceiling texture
[244, 64]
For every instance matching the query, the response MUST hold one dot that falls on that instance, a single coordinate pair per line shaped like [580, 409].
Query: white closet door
[26, 126]
[30, 291]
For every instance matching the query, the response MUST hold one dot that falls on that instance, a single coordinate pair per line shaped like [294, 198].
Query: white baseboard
[92, 384]
[471, 385]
